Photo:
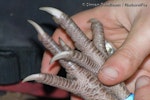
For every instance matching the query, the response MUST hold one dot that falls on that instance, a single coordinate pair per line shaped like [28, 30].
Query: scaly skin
[81, 65]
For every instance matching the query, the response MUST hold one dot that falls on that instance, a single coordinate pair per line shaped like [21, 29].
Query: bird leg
[82, 65]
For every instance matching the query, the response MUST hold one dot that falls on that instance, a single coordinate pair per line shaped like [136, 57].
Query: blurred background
[21, 52]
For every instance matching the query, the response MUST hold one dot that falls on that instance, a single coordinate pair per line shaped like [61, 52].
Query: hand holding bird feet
[82, 63]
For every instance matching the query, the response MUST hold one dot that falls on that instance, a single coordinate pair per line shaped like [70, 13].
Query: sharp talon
[37, 27]
[33, 77]
[53, 60]
[64, 54]
[53, 11]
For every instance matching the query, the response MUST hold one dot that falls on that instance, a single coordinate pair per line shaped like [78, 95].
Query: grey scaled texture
[82, 63]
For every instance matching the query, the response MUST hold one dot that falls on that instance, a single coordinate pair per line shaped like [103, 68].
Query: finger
[127, 59]
[142, 88]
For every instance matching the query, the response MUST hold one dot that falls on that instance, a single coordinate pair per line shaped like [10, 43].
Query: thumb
[128, 57]
[142, 88]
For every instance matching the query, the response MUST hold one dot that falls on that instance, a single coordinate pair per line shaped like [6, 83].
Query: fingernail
[109, 73]
[143, 81]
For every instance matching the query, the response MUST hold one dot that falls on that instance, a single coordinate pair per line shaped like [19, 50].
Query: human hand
[122, 25]
[142, 89]
[132, 58]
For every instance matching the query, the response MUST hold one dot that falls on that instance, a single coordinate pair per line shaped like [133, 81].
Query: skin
[123, 27]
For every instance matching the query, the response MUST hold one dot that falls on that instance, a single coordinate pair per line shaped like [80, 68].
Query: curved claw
[33, 77]
[78, 58]
[47, 41]
[64, 54]
[37, 27]
[53, 11]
